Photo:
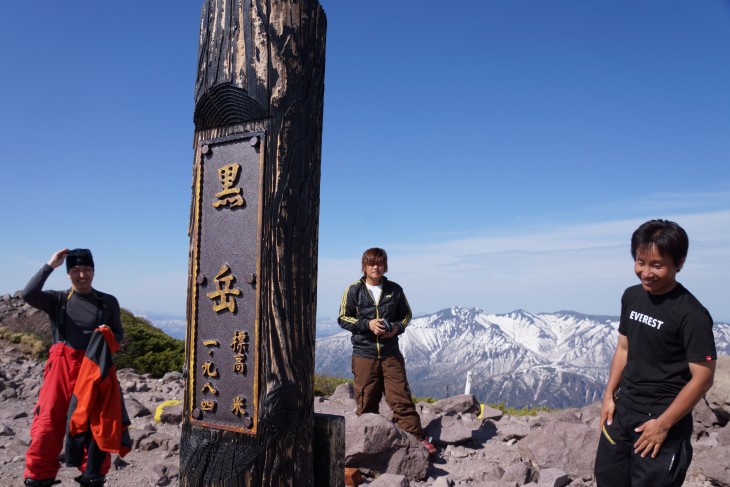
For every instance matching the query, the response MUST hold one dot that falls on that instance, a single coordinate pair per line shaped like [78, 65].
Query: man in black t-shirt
[664, 363]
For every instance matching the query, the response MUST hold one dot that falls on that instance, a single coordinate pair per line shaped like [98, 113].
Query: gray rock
[464, 403]
[491, 413]
[157, 475]
[443, 482]
[491, 472]
[568, 446]
[514, 429]
[172, 377]
[458, 451]
[718, 397]
[12, 411]
[147, 443]
[343, 393]
[390, 480]
[723, 436]
[374, 443]
[451, 430]
[135, 409]
[712, 463]
[518, 473]
[589, 414]
[553, 477]
[172, 414]
[703, 416]
[173, 471]
[8, 394]
[567, 416]
[494, 483]
[22, 435]
[138, 434]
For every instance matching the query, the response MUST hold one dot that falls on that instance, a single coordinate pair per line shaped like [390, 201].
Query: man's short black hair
[668, 237]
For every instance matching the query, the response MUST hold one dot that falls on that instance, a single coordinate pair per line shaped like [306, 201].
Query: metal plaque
[224, 342]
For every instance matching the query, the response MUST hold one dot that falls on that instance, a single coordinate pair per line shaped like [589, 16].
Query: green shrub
[325, 386]
[147, 349]
[27, 342]
[417, 399]
[523, 411]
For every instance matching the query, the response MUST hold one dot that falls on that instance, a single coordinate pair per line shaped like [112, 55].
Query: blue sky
[501, 151]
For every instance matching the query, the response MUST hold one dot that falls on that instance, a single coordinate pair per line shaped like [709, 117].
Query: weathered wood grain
[261, 67]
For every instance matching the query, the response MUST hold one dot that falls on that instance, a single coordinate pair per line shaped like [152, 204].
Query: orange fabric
[99, 399]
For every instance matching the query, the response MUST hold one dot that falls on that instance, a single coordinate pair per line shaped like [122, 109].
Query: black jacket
[358, 307]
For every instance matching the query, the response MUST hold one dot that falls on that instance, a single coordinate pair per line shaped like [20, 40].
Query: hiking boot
[429, 446]
[29, 482]
[86, 482]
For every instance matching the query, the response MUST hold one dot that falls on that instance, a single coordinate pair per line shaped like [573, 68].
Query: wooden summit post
[248, 416]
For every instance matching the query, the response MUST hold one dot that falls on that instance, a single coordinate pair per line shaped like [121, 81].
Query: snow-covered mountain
[173, 325]
[556, 359]
[327, 327]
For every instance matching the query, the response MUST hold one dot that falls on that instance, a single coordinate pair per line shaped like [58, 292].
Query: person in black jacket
[376, 311]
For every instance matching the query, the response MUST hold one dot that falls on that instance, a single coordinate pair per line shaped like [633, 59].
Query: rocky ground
[550, 449]
[154, 461]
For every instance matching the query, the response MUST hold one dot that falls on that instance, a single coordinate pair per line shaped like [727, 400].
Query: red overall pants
[48, 430]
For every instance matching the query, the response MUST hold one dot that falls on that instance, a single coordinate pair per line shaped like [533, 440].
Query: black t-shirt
[664, 333]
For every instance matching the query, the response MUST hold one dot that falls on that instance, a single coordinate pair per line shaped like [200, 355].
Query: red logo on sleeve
[708, 358]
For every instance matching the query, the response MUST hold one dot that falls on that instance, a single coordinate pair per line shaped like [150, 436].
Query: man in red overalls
[74, 315]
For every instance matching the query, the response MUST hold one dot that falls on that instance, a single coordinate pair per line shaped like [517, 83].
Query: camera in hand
[387, 325]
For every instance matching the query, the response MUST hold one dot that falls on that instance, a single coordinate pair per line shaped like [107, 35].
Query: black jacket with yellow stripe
[358, 307]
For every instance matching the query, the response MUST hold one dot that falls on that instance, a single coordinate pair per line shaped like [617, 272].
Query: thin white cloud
[580, 267]
[664, 202]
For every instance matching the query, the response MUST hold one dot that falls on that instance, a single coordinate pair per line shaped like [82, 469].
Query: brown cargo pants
[373, 377]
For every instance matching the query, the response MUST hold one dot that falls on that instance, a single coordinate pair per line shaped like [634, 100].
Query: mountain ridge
[557, 359]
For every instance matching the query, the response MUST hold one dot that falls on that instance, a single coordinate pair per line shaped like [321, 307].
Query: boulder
[712, 463]
[553, 477]
[374, 443]
[390, 480]
[135, 409]
[718, 397]
[570, 447]
[518, 473]
[344, 395]
[461, 404]
[452, 429]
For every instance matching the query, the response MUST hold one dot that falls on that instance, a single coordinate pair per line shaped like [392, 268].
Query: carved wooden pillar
[253, 254]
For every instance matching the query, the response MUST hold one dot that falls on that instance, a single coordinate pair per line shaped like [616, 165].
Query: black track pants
[618, 466]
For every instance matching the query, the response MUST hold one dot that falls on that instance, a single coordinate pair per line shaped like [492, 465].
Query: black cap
[79, 257]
